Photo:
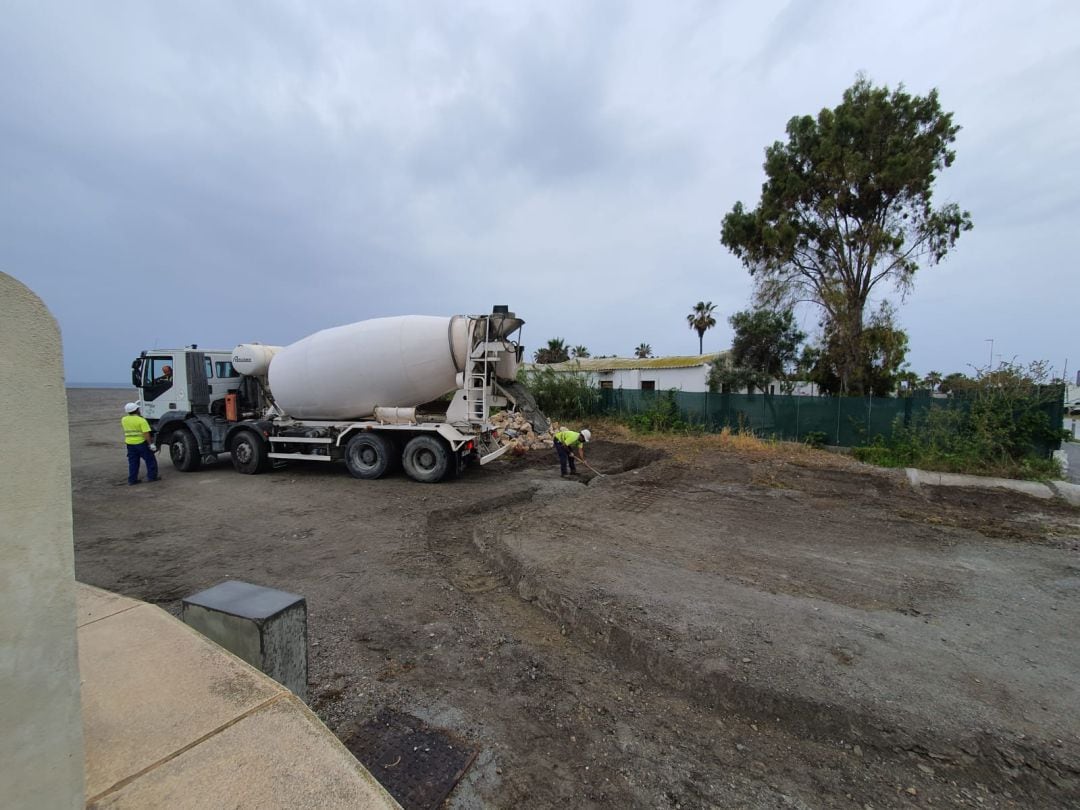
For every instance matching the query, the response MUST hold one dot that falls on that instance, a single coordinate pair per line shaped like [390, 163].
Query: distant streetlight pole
[991, 342]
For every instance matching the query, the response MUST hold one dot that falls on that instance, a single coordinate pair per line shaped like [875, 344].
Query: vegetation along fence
[841, 421]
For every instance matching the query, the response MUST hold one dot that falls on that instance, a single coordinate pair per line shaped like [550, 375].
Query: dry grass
[688, 448]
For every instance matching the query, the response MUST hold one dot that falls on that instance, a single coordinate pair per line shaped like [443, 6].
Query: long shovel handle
[587, 464]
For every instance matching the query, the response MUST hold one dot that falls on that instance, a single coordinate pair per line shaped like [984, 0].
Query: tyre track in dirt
[1008, 766]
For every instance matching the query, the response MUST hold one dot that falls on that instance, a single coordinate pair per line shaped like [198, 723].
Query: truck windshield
[157, 376]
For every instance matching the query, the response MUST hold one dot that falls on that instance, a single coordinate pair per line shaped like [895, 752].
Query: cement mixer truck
[413, 392]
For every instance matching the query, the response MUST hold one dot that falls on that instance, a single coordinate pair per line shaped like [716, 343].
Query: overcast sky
[218, 172]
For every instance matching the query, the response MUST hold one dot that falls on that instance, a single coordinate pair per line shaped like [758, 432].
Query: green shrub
[663, 416]
[876, 454]
[562, 395]
[999, 427]
[815, 438]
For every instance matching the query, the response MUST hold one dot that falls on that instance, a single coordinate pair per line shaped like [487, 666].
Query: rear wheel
[426, 459]
[184, 451]
[248, 453]
[368, 455]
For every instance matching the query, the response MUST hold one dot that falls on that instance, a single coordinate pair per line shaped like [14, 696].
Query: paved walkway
[172, 720]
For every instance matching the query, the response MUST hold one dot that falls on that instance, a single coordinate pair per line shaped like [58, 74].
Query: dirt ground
[706, 625]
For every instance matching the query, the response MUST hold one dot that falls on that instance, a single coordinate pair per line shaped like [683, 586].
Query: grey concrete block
[1067, 491]
[940, 479]
[263, 626]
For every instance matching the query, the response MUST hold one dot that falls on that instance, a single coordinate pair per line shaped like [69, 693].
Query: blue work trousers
[136, 452]
[566, 457]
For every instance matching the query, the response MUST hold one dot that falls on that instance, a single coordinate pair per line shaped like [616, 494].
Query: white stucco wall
[682, 379]
[41, 743]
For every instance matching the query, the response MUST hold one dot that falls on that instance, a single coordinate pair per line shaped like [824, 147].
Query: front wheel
[184, 451]
[368, 455]
[426, 459]
[248, 453]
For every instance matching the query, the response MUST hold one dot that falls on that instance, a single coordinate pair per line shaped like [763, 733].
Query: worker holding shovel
[565, 443]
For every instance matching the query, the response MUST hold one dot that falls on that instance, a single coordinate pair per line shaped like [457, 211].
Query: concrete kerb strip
[1070, 493]
[171, 715]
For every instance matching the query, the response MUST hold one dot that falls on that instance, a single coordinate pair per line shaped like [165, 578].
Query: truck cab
[183, 381]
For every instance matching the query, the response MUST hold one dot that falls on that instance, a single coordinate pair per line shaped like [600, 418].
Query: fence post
[797, 403]
[837, 421]
[869, 408]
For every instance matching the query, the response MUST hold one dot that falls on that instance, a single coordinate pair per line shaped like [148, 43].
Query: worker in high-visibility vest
[566, 441]
[139, 443]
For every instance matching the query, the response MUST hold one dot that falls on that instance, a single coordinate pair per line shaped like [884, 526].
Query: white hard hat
[586, 435]
[131, 407]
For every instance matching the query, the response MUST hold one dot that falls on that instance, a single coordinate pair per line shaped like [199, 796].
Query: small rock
[746, 660]
[912, 791]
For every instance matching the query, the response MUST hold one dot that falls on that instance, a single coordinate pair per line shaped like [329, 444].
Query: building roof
[599, 364]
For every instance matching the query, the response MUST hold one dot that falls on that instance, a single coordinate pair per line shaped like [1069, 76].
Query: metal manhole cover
[417, 764]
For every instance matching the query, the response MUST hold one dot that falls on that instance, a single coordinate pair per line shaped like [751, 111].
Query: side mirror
[136, 373]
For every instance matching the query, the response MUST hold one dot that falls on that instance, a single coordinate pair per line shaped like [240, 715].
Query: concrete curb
[173, 720]
[1070, 493]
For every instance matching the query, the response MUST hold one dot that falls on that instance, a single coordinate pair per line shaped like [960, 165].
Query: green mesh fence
[840, 421]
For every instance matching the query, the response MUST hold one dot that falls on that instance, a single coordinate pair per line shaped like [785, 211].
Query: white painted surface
[345, 372]
[664, 379]
[253, 359]
[41, 737]
[681, 377]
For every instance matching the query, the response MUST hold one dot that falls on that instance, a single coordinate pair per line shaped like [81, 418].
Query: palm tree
[907, 382]
[554, 352]
[933, 380]
[580, 352]
[701, 320]
[643, 350]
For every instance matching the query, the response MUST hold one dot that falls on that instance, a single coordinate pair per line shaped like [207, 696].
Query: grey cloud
[259, 173]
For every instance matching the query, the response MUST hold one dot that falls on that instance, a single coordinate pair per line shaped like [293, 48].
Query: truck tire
[426, 459]
[248, 453]
[368, 455]
[184, 451]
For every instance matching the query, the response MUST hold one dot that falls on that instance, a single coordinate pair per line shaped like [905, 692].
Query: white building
[689, 373]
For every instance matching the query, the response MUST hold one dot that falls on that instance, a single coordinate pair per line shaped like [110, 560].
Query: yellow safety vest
[134, 428]
[568, 437]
